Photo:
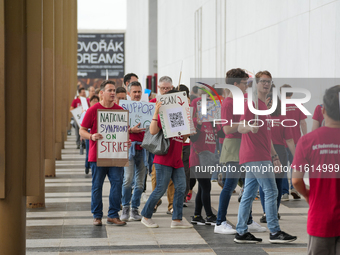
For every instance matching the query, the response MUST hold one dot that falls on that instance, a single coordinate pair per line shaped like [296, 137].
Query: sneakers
[115, 221]
[143, 198]
[97, 222]
[246, 238]
[256, 228]
[149, 223]
[295, 194]
[134, 214]
[185, 205]
[281, 237]
[285, 197]
[126, 213]
[181, 224]
[224, 229]
[170, 211]
[220, 180]
[197, 219]
[211, 220]
[263, 219]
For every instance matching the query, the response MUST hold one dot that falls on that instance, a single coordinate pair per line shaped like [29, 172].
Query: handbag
[155, 144]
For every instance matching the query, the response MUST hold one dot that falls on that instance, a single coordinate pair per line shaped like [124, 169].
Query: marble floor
[65, 225]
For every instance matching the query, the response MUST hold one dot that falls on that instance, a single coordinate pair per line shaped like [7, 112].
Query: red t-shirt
[319, 147]
[292, 112]
[227, 114]
[137, 137]
[318, 114]
[206, 141]
[280, 133]
[256, 147]
[174, 156]
[90, 121]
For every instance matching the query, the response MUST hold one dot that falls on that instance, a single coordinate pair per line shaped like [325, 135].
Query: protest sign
[84, 103]
[113, 149]
[77, 114]
[139, 112]
[192, 125]
[213, 111]
[174, 114]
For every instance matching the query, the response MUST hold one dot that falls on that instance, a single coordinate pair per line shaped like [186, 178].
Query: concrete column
[48, 96]
[35, 178]
[65, 68]
[13, 206]
[58, 23]
[2, 100]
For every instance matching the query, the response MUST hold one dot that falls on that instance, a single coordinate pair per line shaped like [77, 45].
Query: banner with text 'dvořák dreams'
[113, 149]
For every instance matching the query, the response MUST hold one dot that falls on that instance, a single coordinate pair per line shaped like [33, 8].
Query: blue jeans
[279, 194]
[87, 144]
[266, 180]
[163, 175]
[230, 184]
[135, 169]
[115, 175]
[285, 182]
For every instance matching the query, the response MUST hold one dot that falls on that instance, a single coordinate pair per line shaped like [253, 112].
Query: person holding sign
[168, 166]
[115, 174]
[136, 168]
[77, 103]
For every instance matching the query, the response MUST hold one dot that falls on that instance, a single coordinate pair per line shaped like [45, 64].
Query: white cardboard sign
[77, 112]
[113, 149]
[174, 114]
[139, 112]
[84, 103]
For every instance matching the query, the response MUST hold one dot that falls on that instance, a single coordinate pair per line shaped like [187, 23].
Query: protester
[256, 156]
[230, 154]
[91, 91]
[115, 174]
[93, 100]
[128, 78]
[168, 166]
[318, 119]
[318, 154]
[136, 169]
[279, 135]
[186, 149]
[293, 112]
[164, 85]
[76, 103]
[203, 140]
[120, 94]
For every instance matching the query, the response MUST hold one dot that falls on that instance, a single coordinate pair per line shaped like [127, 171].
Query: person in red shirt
[136, 169]
[318, 119]
[256, 155]
[120, 94]
[280, 136]
[164, 86]
[115, 174]
[293, 113]
[168, 166]
[318, 153]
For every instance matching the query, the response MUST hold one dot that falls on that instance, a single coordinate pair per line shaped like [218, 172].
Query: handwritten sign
[77, 112]
[174, 114]
[213, 111]
[139, 112]
[84, 103]
[113, 149]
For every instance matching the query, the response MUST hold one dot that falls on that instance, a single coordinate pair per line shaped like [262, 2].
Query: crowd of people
[240, 144]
